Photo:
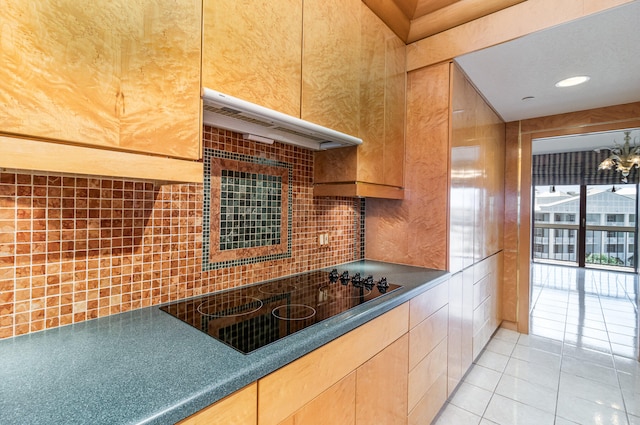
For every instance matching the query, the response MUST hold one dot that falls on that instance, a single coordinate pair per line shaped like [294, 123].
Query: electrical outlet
[323, 239]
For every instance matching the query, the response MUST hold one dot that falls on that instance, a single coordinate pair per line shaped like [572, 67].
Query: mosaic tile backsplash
[74, 248]
[250, 210]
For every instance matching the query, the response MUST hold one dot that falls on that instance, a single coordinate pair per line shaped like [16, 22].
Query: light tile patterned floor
[578, 365]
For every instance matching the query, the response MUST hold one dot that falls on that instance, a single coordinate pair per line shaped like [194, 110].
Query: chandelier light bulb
[624, 157]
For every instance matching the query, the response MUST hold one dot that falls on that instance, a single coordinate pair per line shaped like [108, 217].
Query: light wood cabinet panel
[330, 64]
[239, 408]
[159, 106]
[121, 75]
[427, 303]
[336, 405]
[477, 149]
[382, 103]
[431, 403]
[425, 374]
[482, 289]
[252, 50]
[27, 154]
[454, 334]
[424, 337]
[60, 68]
[375, 168]
[460, 332]
[285, 391]
[381, 396]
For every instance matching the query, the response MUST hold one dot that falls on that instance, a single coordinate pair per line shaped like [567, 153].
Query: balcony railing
[606, 246]
[610, 246]
[562, 242]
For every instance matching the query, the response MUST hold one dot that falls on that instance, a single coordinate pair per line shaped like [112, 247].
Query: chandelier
[624, 157]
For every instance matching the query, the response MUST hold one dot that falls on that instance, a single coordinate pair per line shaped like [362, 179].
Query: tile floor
[578, 365]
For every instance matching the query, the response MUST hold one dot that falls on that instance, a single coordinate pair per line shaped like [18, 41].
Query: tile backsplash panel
[247, 209]
[74, 248]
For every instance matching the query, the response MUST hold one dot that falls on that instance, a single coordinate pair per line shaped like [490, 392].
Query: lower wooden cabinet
[427, 384]
[473, 314]
[290, 388]
[239, 408]
[381, 391]
[374, 393]
[397, 369]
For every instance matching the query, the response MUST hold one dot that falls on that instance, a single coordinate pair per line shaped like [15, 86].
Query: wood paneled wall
[517, 240]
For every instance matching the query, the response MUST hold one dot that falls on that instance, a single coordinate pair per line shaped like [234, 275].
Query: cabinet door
[59, 74]
[119, 74]
[331, 64]
[381, 396]
[158, 102]
[253, 51]
[240, 408]
[382, 98]
[335, 405]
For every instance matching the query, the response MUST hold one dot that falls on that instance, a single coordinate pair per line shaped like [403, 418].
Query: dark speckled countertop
[146, 367]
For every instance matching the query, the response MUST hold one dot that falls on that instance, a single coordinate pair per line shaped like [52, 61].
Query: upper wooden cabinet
[374, 168]
[253, 51]
[330, 64]
[123, 75]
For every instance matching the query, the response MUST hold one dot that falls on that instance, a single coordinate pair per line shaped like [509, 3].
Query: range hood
[231, 113]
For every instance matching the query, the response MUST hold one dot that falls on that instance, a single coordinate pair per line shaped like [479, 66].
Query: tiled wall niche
[74, 248]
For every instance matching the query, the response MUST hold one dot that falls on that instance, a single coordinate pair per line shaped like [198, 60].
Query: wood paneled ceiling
[413, 20]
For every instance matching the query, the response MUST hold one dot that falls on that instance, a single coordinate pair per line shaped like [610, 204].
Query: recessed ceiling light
[573, 81]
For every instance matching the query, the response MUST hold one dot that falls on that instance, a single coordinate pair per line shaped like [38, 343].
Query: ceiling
[604, 46]
[413, 20]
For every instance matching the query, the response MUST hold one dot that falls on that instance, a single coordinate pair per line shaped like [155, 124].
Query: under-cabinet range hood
[231, 113]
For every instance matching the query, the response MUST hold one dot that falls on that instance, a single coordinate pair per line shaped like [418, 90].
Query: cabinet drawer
[427, 335]
[286, 390]
[482, 314]
[429, 405]
[482, 289]
[427, 303]
[481, 339]
[336, 405]
[425, 374]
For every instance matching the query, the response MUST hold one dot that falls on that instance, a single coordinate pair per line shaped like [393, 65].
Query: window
[541, 233]
[593, 219]
[632, 219]
[615, 219]
[542, 217]
[612, 248]
[570, 249]
[564, 218]
[540, 248]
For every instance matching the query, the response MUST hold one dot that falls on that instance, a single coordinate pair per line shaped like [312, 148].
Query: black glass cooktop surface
[253, 316]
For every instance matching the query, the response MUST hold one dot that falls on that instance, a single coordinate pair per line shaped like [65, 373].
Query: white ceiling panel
[604, 46]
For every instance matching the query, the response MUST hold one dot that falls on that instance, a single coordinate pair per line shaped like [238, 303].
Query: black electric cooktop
[253, 316]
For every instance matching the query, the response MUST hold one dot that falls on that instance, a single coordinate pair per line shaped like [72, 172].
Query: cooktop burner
[253, 316]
